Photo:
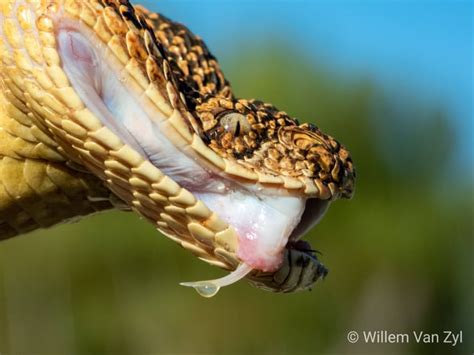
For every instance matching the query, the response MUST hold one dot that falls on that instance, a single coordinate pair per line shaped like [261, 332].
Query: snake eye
[235, 123]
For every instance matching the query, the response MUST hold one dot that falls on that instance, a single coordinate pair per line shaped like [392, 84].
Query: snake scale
[106, 105]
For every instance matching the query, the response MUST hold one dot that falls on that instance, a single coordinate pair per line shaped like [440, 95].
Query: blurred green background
[399, 253]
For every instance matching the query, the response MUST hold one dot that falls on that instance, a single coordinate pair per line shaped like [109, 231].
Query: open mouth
[267, 219]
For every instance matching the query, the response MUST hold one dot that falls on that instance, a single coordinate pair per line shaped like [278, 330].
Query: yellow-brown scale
[37, 187]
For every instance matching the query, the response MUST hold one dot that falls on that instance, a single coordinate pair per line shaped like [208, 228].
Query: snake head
[269, 143]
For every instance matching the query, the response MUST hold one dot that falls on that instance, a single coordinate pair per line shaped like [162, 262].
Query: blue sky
[424, 48]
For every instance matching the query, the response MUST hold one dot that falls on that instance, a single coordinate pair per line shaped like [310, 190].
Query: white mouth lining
[104, 93]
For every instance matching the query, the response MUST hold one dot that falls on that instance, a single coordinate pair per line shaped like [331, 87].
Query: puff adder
[59, 160]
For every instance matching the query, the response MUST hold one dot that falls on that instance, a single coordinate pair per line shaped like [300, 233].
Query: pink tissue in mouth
[251, 254]
[263, 223]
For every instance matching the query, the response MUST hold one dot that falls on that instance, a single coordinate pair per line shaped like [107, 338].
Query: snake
[106, 105]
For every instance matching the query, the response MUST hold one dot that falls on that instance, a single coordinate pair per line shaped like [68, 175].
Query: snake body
[60, 161]
[37, 187]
